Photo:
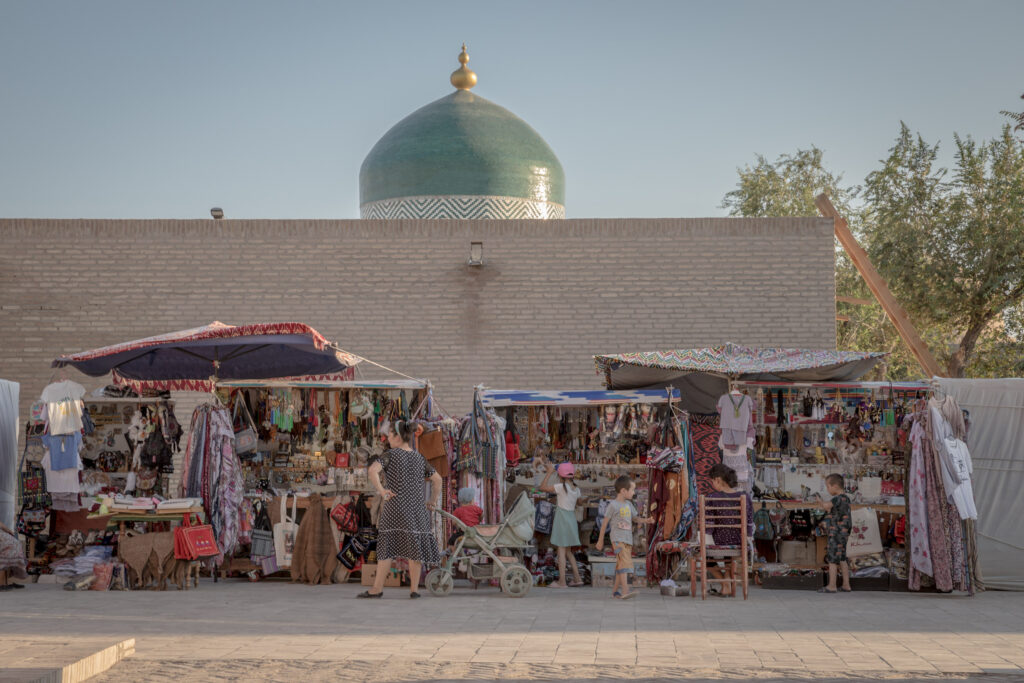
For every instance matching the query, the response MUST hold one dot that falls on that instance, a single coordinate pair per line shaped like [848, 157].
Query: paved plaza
[275, 630]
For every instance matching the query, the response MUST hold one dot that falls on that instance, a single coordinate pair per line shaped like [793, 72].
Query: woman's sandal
[368, 594]
[414, 595]
[825, 590]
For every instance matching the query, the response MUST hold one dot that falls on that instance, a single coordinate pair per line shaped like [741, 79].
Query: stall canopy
[996, 443]
[494, 398]
[193, 359]
[703, 374]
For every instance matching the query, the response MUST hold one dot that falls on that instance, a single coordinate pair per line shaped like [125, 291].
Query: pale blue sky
[157, 109]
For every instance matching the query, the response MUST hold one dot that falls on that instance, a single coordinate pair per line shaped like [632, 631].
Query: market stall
[605, 435]
[96, 471]
[786, 418]
[307, 441]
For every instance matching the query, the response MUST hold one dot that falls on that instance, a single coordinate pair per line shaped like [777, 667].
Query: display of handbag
[284, 533]
[545, 517]
[865, 538]
[780, 520]
[246, 437]
[32, 480]
[155, 450]
[764, 530]
[194, 541]
[345, 518]
[262, 534]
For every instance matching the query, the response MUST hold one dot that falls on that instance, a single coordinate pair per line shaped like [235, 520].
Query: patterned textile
[920, 550]
[213, 473]
[705, 454]
[732, 359]
[152, 363]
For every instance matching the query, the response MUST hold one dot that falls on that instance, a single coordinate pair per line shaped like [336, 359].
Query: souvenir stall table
[308, 441]
[830, 423]
[82, 456]
[605, 434]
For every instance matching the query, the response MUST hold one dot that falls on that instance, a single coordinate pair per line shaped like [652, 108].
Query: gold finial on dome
[463, 78]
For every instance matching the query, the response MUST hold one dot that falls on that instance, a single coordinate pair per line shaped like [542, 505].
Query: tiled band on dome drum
[461, 206]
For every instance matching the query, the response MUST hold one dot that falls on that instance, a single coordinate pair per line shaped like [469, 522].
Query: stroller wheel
[516, 581]
[440, 582]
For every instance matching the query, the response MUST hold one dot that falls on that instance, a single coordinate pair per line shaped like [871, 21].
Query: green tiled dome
[463, 146]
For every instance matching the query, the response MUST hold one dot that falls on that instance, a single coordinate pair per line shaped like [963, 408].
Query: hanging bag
[545, 517]
[262, 534]
[246, 437]
[865, 538]
[284, 533]
[345, 518]
[194, 541]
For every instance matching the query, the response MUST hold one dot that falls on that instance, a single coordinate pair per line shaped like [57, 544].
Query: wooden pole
[880, 289]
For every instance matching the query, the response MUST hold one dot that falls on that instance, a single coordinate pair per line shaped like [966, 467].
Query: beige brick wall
[551, 294]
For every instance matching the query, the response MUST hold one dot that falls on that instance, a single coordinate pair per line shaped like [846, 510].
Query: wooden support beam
[857, 301]
[843, 318]
[879, 288]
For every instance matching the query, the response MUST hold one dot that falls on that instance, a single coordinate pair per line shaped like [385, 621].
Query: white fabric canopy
[996, 442]
[8, 450]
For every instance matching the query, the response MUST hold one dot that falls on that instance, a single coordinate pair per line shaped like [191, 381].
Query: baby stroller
[503, 544]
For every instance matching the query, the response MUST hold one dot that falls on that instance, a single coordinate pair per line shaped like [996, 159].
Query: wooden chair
[723, 515]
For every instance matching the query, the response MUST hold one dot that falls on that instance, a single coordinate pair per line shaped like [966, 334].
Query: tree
[1017, 118]
[787, 187]
[953, 251]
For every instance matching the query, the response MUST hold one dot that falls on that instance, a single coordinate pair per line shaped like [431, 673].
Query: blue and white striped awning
[501, 398]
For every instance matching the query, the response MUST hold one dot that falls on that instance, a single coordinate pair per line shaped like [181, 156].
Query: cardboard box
[798, 553]
[368, 575]
[821, 546]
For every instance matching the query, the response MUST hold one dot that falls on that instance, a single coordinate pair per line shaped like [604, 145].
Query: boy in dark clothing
[838, 523]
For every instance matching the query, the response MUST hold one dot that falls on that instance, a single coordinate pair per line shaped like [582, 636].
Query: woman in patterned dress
[403, 528]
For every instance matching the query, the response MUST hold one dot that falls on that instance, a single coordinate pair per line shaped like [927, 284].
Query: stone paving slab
[282, 624]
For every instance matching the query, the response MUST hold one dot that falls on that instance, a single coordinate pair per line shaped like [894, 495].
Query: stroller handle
[458, 522]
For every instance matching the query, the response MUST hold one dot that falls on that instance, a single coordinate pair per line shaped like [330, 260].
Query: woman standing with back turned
[403, 529]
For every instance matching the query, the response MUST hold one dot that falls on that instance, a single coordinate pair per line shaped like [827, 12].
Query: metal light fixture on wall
[476, 254]
[217, 212]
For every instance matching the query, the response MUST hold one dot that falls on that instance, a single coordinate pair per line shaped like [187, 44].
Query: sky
[155, 109]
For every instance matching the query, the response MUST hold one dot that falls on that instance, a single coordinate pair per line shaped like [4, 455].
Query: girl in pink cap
[565, 532]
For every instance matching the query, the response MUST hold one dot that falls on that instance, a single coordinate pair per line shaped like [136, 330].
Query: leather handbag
[194, 542]
[284, 533]
[431, 447]
[246, 437]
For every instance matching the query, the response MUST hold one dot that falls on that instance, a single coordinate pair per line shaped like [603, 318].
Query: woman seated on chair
[724, 481]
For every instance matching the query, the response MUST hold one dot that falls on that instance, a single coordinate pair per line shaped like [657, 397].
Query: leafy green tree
[952, 250]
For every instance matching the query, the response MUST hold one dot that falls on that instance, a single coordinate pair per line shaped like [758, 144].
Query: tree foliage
[949, 243]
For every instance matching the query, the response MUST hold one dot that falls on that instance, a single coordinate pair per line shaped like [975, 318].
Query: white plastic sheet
[9, 392]
[996, 442]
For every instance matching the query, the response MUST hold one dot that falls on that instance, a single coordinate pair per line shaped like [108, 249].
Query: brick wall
[551, 294]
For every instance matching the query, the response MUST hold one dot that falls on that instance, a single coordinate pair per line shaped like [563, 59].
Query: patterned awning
[190, 359]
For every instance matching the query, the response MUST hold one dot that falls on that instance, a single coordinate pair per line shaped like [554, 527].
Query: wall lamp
[476, 254]
[217, 213]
